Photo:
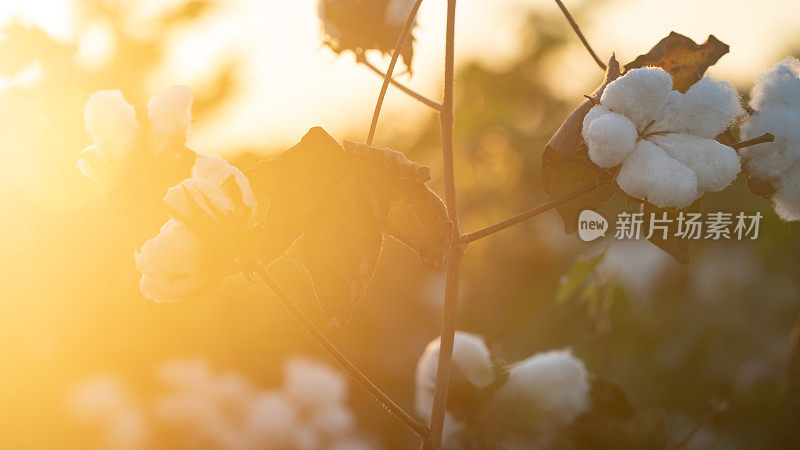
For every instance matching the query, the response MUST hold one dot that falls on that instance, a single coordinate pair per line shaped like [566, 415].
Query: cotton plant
[663, 139]
[775, 166]
[226, 410]
[524, 402]
[206, 239]
[127, 153]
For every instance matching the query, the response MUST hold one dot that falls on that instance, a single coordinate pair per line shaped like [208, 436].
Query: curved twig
[406, 90]
[577, 30]
[401, 40]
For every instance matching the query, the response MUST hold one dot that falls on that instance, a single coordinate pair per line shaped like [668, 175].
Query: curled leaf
[683, 58]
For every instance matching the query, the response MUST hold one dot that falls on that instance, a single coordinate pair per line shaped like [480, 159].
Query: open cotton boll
[471, 362]
[610, 138]
[769, 161]
[715, 165]
[111, 121]
[554, 382]
[640, 94]
[314, 385]
[649, 173]
[170, 114]
[218, 171]
[271, 421]
[777, 86]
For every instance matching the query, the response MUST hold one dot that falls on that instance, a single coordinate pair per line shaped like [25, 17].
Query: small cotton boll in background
[272, 420]
[649, 173]
[715, 165]
[640, 94]
[471, 363]
[314, 385]
[637, 265]
[170, 114]
[777, 86]
[555, 383]
[610, 138]
[333, 421]
[112, 122]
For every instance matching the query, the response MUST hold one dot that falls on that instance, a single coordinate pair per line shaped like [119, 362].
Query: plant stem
[577, 30]
[415, 425]
[521, 217]
[766, 137]
[447, 335]
[259, 268]
[401, 40]
[406, 90]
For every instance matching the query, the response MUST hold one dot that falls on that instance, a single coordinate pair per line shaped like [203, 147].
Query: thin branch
[401, 41]
[255, 264]
[482, 233]
[766, 137]
[406, 90]
[418, 427]
[577, 30]
[447, 335]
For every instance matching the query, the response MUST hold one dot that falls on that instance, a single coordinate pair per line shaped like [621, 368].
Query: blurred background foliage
[676, 338]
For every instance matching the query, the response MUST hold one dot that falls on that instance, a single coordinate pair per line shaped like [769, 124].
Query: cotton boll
[769, 161]
[112, 122]
[640, 94]
[218, 171]
[715, 165]
[778, 86]
[787, 196]
[314, 385]
[271, 421]
[649, 173]
[170, 114]
[471, 362]
[333, 421]
[554, 382]
[610, 139]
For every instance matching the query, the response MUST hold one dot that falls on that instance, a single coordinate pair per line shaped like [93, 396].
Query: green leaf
[577, 280]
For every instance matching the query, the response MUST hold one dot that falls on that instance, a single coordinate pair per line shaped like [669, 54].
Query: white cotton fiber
[787, 196]
[594, 112]
[769, 161]
[111, 121]
[170, 114]
[715, 165]
[554, 382]
[610, 138]
[777, 86]
[649, 173]
[709, 107]
[314, 385]
[639, 95]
